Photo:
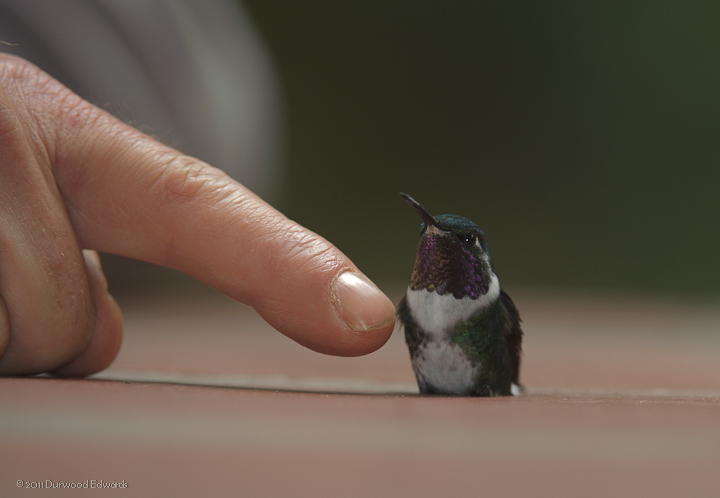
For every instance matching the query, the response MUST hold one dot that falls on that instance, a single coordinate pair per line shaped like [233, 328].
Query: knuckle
[70, 321]
[182, 179]
[301, 251]
[51, 314]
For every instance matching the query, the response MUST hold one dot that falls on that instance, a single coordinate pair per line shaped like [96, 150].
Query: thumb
[130, 195]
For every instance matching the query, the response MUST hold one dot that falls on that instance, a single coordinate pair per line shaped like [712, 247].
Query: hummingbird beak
[427, 217]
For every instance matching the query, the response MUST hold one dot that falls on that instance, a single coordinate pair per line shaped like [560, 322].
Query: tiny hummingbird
[462, 330]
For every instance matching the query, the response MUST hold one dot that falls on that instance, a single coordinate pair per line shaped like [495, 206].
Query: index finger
[130, 195]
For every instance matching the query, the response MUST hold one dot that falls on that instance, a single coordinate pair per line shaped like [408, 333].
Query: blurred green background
[583, 137]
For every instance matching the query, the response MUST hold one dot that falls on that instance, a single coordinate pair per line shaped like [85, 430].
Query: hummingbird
[463, 331]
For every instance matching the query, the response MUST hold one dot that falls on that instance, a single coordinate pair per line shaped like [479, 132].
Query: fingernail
[360, 303]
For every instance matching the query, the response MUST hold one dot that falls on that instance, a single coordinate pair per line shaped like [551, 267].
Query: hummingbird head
[452, 255]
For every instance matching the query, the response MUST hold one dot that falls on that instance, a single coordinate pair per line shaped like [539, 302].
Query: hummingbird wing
[413, 336]
[513, 334]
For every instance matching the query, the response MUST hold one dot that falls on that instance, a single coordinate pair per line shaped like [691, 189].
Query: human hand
[75, 180]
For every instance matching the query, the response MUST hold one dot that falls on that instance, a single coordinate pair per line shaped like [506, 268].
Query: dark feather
[513, 334]
[413, 335]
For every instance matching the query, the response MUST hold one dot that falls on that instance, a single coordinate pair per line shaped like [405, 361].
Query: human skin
[75, 180]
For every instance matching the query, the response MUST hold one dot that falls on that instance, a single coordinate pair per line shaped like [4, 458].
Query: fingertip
[340, 313]
[107, 337]
[366, 342]
[359, 303]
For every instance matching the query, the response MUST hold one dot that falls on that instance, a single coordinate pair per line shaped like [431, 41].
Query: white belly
[443, 366]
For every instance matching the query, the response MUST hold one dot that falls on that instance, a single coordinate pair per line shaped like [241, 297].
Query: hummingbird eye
[469, 239]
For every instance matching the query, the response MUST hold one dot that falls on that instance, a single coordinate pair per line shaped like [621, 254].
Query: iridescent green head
[452, 255]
